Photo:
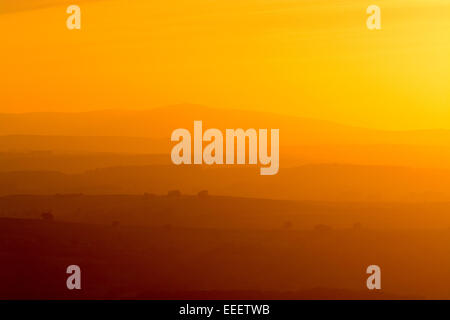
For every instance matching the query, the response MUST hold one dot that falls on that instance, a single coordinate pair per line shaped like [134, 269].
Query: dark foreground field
[212, 263]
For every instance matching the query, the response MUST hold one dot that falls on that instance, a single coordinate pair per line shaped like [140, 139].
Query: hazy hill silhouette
[303, 141]
[16, 149]
[75, 162]
[159, 123]
[309, 182]
[83, 144]
[219, 212]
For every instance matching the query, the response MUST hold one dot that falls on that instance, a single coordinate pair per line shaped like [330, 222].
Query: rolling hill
[341, 183]
[302, 141]
[159, 123]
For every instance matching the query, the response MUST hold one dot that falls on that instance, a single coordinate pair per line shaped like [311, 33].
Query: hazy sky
[313, 58]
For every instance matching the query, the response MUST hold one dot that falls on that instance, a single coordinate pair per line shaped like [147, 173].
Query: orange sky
[312, 58]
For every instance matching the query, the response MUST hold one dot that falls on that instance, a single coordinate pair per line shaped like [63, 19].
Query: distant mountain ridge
[158, 123]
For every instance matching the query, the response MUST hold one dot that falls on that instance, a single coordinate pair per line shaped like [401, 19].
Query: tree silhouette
[47, 216]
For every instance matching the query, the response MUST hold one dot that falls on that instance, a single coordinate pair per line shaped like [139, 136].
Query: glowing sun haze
[313, 58]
